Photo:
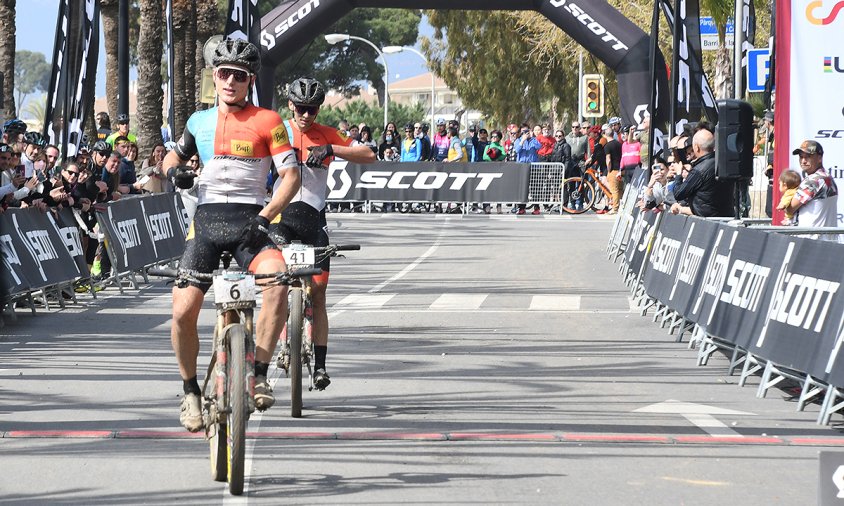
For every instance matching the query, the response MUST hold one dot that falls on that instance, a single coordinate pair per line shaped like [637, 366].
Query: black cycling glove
[318, 154]
[183, 178]
[256, 234]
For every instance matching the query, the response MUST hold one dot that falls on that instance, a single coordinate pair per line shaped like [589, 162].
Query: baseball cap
[810, 148]
[769, 115]
[614, 120]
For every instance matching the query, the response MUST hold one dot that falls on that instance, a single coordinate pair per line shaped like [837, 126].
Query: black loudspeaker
[734, 140]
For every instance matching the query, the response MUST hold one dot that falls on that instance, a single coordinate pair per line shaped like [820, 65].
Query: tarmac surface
[474, 360]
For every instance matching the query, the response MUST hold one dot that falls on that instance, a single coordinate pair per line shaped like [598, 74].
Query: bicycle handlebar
[283, 277]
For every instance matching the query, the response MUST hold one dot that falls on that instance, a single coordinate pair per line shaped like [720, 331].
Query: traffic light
[593, 96]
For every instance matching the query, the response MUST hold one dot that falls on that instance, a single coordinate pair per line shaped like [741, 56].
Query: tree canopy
[32, 74]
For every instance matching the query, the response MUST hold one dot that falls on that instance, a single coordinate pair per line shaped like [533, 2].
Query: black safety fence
[43, 253]
[772, 301]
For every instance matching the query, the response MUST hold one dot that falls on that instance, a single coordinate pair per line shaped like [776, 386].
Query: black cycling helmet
[122, 119]
[237, 52]
[101, 147]
[35, 138]
[14, 126]
[306, 91]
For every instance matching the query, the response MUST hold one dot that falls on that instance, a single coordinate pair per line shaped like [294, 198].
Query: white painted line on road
[364, 301]
[416, 262]
[710, 425]
[701, 415]
[475, 311]
[555, 303]
[459, 301]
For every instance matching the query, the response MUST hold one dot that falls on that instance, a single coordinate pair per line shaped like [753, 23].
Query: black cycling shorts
[217, 228]
[301, 222]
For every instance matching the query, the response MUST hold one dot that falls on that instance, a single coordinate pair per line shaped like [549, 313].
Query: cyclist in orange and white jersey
[237, 142]
[316, 146]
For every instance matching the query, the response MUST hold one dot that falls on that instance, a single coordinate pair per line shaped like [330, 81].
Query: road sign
[758, 69]
[709, 33]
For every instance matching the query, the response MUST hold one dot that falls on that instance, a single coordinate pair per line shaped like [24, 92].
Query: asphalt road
[474, 360]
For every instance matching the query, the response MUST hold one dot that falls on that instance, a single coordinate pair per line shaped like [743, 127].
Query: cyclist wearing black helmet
[34, 144]
[316, 146]
[237, 143]
[13, 131]
[122, 131]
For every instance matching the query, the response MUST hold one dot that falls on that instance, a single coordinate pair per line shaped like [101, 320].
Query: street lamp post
[334, 38]
[399, 49]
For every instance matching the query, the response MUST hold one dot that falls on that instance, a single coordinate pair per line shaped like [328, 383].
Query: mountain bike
[578, 194]
[229, 386]
[297, 347]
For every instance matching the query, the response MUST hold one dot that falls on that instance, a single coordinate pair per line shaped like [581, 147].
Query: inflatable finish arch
[594, 24]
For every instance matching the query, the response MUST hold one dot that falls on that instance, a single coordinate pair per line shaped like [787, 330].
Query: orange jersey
[236, 150]
[314, 181]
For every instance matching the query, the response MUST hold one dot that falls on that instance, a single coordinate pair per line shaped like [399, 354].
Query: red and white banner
[809, 80]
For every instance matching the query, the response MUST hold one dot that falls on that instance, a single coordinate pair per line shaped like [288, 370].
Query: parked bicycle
[297, 347]
[579, 194]
[228, 389]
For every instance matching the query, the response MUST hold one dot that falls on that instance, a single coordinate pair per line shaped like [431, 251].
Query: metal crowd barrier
[634, 238]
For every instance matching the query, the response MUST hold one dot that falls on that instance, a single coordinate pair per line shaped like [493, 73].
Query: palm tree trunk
[190, 59]
[109, 12]
[180, 12]
[7, 56]
[150, 95]
[207, 24]
[723, 72]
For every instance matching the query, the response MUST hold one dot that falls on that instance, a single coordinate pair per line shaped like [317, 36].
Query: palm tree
[207, 24]
[7, 56]
[109, 12]
[150, 95]
[720, 10]
[184, 51]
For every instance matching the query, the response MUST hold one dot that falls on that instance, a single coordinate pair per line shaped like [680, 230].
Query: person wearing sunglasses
[237, 142]
[304, 220]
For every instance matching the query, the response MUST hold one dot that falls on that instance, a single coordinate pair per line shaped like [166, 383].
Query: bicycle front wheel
[576, 195]
[238, 407]
[295, 326]
[218, 443]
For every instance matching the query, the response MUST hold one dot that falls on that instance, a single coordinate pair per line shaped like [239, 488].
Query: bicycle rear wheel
[238, 407]
[295, 326]
[576, 195]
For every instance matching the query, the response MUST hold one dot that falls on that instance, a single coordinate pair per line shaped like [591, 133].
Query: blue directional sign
[758, 69]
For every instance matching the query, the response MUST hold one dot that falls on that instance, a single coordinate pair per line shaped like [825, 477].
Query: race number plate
[234, 287]
[298, 255]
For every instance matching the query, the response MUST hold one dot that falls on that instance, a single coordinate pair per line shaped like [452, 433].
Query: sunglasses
[558, 136]
[240, 76]
[306, 109]
[575, 126]
[72, 172]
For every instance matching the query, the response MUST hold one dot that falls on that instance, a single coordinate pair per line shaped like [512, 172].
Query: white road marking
[555, 303]
[416, 262]
[364, 301]
[701, 415]
[459, 301]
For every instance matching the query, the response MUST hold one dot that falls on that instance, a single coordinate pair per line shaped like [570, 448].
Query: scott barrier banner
[640, 238]
[692, 260]
[429, 182]
[71, 236]
[661, 269]
[142, 231]
[804, 325]
[738, 308]
[33, 253]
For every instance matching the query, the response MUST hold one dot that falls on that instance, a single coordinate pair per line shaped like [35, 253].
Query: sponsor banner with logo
[809, 80]
[737, 310]
[661, 270]
[429, 182]
[691, 262]
[34, 256]
[71, 236]
[778, 297]
[641, 236]
[142, 231]
[805, 315]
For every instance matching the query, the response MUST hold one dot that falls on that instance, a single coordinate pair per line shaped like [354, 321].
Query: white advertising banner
[813, 98]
